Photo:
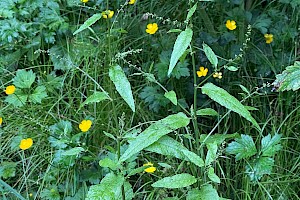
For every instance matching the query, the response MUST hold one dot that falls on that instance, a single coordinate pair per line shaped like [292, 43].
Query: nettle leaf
[207, 192]
[38, 94]
[7, 169]
[118, 77]
[109, 188]
[207, 112]
[95, 98]
[89, 22]
[176, 181]
[24, 79]
[259, 167]
[107, 162]
[222, 97]
[270, 145]
[289, 79]
[212, 176]
[211, 153]
[181, 44]
[243, 147]
[170, 147]
[211, 56]
[17, 99]
[191, 12]
[154, 132]
[216, 138]
[171, 95]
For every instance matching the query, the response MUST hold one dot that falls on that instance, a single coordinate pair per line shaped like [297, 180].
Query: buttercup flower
[269, 38]
[231, 24]
[150, 169]
[202, 71]
[85, 125]
[1, 120]
[217, 75]
[108, 14]
[26, 143]
[131, 2]
[152, 28]
[10, 89]
[84, 1]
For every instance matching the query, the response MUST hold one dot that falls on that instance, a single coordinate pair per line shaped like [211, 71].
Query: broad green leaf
[24, 79]
[118, 77]
[171, 95]
[243, 147]
[7, 169]
[170, 147]
[212, 176]
[222, 97]
[207, 111]
[89, 22]
[128, 192]
[191, 12]
[231, 68]
[17, 99]
[38, 94]
[217, 138]
[211, 56]
[95, 98]
[259, 167]
[269, 146]
[207, 192]
[107, 162]
[154, 132]
[108, 189]
[181, 44]
[73, 152]
[176, 181]
[289, 79]
[211, 153]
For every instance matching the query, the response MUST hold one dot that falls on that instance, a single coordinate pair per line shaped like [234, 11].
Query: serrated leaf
[171, 95]
[154, 132]
[212, 176]
[176, 181]
[207, 112]
[73, 151]
[38, 94]
[211, 153]
[24, 79]
[243, 147]
[259, 167]
[289, 79]
[222, 97]
[95, 98]
[216, 138]
[89, 22]
[118, 77]
[207, 192]
[107, 162]
[17, 99]
[191, 12]
[211, 56]
[7, 169]
[170, 147]
[181, 44]
[269, 146]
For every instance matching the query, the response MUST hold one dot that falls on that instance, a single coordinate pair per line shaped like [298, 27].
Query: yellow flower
[1, 120]
[85, 125]
[10, 89]
[150, 169]
[217, 75]
[84, 1]
[108, 14]
[131, 2]
[202, 71]
[152, 28]
[230, 24]
[269, 38]
[26, 143]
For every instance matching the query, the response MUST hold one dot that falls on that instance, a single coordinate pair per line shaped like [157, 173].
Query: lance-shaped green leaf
[289, 79]
[89, 22]
[176, 181]
[222, 97]
[181, 44]
[210, 55]
[207, 112]
[171, 95]
[95, 98]
[170, 147]
[118, 77]
[211, 153]
[154, 132]
[191, 12]
[212, 176]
